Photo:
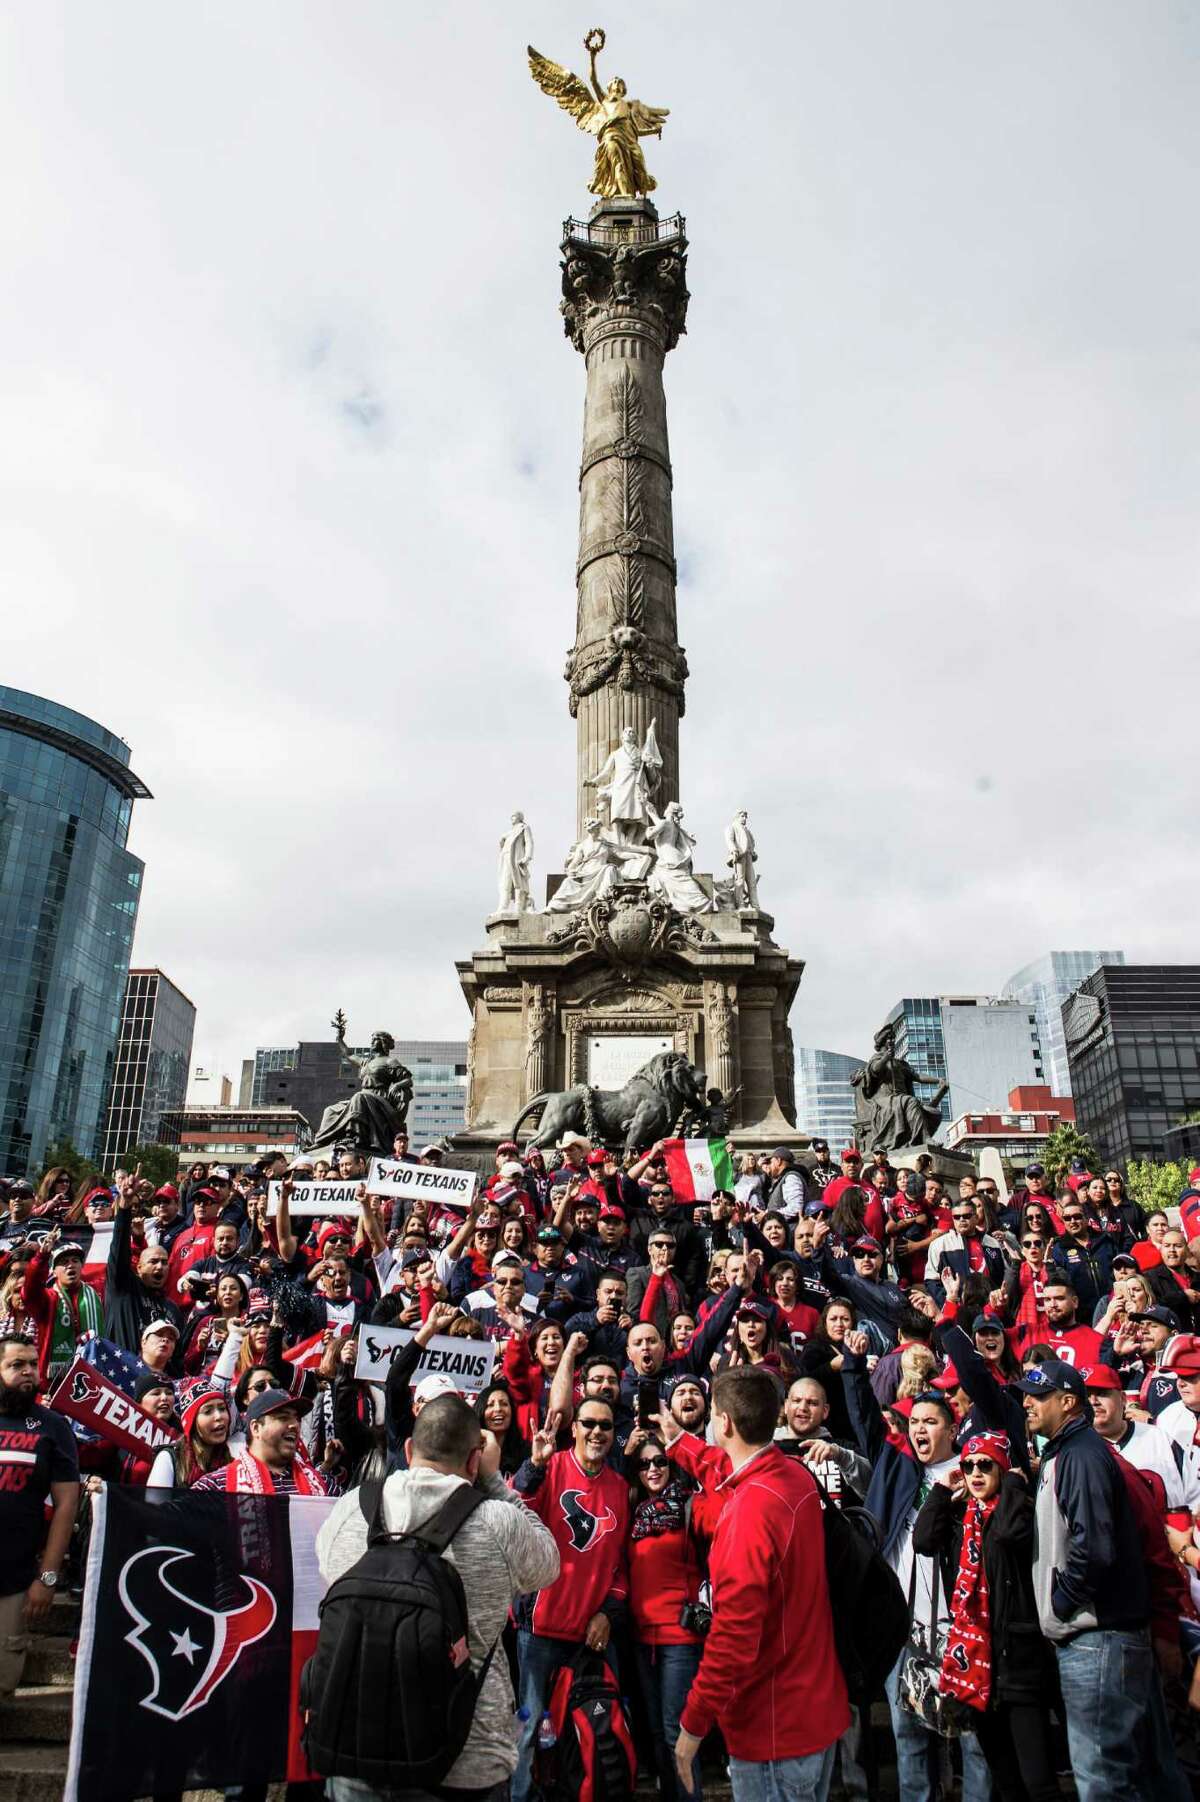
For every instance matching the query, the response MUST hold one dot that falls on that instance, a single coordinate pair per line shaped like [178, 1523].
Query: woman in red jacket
[668, 1523]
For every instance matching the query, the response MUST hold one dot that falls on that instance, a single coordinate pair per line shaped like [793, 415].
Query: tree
[1155, 1185]
[160, 1163]
[1066, 1144]
[62, 1155]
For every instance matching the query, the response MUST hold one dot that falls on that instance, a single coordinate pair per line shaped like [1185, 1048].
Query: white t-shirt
[901, 1555]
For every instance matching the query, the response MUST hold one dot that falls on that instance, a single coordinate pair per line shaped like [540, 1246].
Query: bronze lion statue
[646, 1109]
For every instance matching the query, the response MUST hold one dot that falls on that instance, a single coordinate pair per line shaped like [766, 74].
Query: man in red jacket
[769, 1674]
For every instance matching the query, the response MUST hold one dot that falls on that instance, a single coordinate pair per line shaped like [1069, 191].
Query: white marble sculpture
[627, 782]
[590, 871]
[739, 842]
[516, 855]
[672, 873]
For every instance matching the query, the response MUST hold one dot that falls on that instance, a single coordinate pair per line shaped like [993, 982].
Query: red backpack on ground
[593, 1758]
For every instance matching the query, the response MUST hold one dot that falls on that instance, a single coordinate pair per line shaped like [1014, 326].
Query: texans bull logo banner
[83, 1394]
[199, 1614]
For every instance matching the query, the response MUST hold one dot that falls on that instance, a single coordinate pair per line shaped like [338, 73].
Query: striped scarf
[75, 1316]
[248, 1475]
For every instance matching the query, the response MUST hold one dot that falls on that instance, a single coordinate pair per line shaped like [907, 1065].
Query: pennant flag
[199, 1614]
[697, 1167]
[308, 1353]
[83, 1395]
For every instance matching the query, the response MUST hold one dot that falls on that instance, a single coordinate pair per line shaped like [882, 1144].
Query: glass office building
[824, 1096]
[1044, 985]
[154, 1052]
[1133, 1037]
[69, 893]
[981, 1045]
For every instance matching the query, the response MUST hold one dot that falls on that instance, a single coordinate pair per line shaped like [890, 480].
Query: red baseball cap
[596, 1158]
[1101, 1376]
[851, 1156]
[948, 1380]
[610, 1211]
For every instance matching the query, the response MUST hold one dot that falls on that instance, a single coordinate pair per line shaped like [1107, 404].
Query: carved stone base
[546, 987]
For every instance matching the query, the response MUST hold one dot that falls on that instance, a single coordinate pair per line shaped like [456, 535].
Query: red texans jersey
[589, 1518]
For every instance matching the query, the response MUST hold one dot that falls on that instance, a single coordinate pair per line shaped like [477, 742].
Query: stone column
[719, 1035]
[539, 1018]
[624, 307]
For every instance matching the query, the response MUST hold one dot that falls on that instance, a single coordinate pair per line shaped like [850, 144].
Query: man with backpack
[498, 1550]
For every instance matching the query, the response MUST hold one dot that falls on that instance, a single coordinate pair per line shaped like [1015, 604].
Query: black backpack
[388, 1696]
[870, 1610]
[593, 1758]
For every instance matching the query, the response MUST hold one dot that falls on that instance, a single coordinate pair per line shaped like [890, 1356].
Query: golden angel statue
[616, 122]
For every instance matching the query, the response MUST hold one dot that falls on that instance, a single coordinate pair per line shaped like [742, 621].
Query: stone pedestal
[553, 996]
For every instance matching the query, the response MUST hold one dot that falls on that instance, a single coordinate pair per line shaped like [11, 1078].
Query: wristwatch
[49, 1578]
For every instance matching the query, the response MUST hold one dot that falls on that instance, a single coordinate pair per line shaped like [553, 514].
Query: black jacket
[129, 1306]
[691, 1256]
[1021, 1659]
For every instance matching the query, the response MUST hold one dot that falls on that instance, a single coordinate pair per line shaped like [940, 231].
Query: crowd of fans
[1009, 1386]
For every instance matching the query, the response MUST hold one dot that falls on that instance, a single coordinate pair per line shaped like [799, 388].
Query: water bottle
[545, 1755]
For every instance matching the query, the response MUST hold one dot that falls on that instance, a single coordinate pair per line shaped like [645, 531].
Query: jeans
[539, 1659]
[349, 1789]
[665, 1674]
[918, 1753]
[783, 1779]
[1108, 1681]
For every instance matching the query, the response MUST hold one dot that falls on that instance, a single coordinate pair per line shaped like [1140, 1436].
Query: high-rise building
[1044, 985]
[314, 1074]
[439, 1073]
[824, 1097]
[208, 1085]
[1133, 1037]
[69, 892]
[982, 1046]
[154, 1050]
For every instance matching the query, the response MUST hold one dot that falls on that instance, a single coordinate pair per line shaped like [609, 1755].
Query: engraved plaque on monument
[613, 1058]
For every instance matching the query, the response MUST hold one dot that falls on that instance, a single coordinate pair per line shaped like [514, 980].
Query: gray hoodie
[502, 1551]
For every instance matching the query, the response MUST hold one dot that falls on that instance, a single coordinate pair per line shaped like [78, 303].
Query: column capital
[624, 270]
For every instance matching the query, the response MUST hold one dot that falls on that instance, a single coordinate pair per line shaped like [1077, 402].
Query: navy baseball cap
[987, 1323]
[1054, 1375]
[1161, 1317]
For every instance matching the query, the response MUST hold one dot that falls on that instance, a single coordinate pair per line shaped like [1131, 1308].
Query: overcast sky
[290, 450]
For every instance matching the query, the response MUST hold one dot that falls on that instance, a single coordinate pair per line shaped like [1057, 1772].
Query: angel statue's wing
[573, 95]
[647, 120]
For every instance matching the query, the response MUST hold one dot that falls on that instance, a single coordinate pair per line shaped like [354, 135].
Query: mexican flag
[697, 1167]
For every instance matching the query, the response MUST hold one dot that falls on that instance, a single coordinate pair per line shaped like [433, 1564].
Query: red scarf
[1031, 1323]
[967, 1662]
[247, 1475]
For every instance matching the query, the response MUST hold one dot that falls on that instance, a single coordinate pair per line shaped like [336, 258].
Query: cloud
[292, 446]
